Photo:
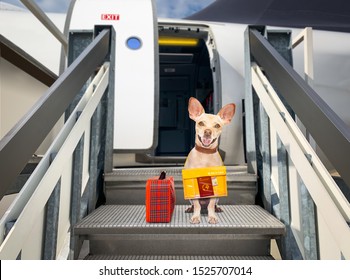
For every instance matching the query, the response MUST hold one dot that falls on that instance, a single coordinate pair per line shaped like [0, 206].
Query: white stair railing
[294, 184]
[331, 204]
[26, 237]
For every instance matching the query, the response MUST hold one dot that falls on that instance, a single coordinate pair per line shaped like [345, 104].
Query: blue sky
[165, 8]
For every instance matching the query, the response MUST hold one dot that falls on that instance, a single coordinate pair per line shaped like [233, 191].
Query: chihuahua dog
[205, 153]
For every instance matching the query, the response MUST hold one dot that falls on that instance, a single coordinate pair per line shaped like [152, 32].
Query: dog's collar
[205, 151]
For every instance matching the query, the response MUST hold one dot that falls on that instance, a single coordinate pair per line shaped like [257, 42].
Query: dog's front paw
[195, 219]
[212, 219]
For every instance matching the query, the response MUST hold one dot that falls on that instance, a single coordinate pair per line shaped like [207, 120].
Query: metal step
[121, 230]
[127, 185]
[146, 257]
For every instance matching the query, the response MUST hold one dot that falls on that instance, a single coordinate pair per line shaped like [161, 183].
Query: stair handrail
[302, 193]
[21, 142]
[310, 108]
[25, 210]
[325, 193]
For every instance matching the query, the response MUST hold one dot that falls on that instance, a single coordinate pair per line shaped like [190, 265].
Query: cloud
[165, 8]
[13, 2]
[60, 6]
[180, 8]
[49, 6]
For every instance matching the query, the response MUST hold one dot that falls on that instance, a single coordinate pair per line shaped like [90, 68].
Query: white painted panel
[135, 69]
[329, 250]
[230, 47]
[32, 248]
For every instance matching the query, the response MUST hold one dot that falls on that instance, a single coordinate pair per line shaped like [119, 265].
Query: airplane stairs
[118, 229]
[52, 202]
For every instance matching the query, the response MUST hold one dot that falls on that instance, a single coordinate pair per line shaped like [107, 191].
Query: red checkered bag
[160, 199]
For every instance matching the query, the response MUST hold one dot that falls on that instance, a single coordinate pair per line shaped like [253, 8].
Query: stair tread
[173, 257]
[127, 219]
[233, 173]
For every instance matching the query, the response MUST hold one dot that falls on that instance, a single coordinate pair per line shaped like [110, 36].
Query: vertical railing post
[108, 105]
[95, 140]
[257, 132]
[285, 215]
[51, 221]
[308, 220]
[265, 157]
[76, 188]
[102, 133]
[78, 42]
[249, 110]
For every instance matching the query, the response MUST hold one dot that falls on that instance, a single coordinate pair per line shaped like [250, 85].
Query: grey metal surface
[78, 42]
[77, 186]
[249, 109]
[180, 244]
[284, 207]
[264, 147]
[309, 224]
[312, 110]
[127, 185]
[17, 147]
[51, 224]
[121, 230]
[108, 107]
[174, 257]
[124, 219]
[233, 173]
[93, 162]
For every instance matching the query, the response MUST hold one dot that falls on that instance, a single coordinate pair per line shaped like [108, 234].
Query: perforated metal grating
[171, 171]
[236, 219]
[145, 257]
[233, 173]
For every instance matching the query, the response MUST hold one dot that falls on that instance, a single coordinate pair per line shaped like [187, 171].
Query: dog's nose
[207, 132]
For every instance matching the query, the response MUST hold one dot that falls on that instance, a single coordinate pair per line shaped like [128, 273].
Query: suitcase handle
[162, 175]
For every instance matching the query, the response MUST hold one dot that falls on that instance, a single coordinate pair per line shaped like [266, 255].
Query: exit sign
[109, 17]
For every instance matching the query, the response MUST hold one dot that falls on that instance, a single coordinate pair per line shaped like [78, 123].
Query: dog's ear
[227, 112]
[195, 108]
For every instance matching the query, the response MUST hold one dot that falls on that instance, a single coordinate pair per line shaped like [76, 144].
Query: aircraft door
[136, 66]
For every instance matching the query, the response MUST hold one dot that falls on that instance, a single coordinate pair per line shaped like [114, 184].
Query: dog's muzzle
[205, 141]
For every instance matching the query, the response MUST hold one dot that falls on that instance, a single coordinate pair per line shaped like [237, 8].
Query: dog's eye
[201, 123]
[217, 126]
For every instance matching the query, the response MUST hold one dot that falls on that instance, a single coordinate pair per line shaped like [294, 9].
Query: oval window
[133, 43]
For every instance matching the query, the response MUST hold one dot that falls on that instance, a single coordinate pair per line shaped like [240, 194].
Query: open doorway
[185, 71]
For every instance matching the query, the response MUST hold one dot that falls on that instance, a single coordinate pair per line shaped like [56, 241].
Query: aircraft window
[133, 43]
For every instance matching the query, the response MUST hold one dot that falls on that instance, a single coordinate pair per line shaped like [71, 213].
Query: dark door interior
[184, 72]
